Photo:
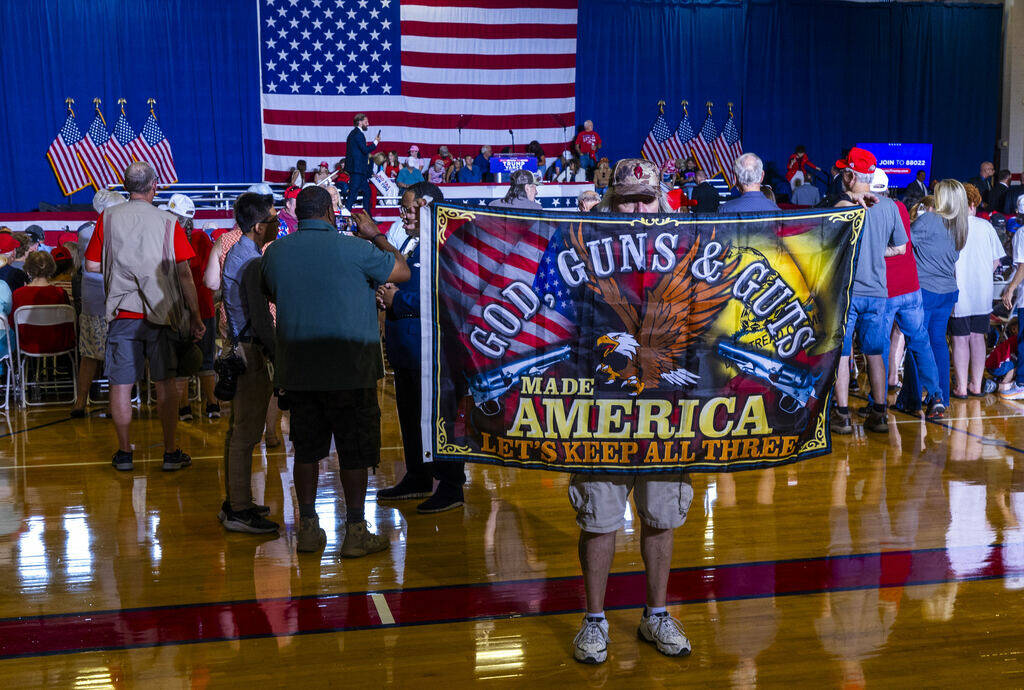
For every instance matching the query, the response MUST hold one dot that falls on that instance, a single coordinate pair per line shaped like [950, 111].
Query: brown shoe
[310, 536]
[876, 421]
[359, 541]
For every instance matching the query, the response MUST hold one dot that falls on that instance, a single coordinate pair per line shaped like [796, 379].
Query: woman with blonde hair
[937, 236]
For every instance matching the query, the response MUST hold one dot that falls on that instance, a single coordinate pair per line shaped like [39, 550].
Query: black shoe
[76, 413]
[936, 410]
[405, 490]
[225, 509]
[185, 414]
[438, 503]
[176, 461]
[840, 423]
[876, 421]
[122, 461]
[249, 521]
[213, 411]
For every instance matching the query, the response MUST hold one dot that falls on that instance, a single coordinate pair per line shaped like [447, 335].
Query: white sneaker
[1014, 392]
[666, 633]
[591, 643]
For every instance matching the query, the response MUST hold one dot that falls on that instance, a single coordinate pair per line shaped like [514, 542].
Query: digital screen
[902, 161]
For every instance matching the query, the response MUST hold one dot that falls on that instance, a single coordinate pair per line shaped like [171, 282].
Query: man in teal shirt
[328, 356]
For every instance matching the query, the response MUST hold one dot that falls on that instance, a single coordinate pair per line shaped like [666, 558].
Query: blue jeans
[1020, 349]
[919, 367]
[867, 318]
[937, 309]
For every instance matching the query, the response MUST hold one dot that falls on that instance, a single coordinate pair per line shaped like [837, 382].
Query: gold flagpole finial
[151, 102]
[70, 102]
[709, 104]
[684, 104]
[96, 102]
[661, 107]
[730, 108]
[121, 102]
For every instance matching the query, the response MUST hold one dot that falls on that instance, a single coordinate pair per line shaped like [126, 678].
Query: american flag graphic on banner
[728, 147]
[478, 264]
[421, 70]
[63, 156]
[91, 151]
[704, 147]
[117, 145]
[151, 146]
[655, 147]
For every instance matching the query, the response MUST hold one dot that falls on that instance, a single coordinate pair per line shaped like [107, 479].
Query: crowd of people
[160, 300]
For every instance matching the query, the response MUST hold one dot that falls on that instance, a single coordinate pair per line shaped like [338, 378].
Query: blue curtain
[197, 58]
[813, 72]
[819, 73]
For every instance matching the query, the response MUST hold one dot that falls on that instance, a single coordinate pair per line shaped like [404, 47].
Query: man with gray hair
[151, 302]
[749, 173]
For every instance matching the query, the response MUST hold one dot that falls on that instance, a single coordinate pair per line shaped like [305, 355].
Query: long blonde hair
[951, 206]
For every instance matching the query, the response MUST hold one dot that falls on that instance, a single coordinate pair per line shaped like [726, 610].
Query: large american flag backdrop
[421, 70]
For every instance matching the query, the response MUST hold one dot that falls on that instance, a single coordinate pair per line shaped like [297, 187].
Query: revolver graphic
[795, 384]
[488, 386]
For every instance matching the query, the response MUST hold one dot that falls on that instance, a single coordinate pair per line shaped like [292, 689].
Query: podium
[504, 164]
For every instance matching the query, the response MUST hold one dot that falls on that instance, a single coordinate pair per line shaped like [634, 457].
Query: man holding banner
[632, 347]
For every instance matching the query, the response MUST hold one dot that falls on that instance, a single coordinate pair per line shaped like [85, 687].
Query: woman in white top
[974, 278]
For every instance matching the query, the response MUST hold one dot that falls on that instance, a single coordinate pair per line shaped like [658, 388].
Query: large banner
[611, 343]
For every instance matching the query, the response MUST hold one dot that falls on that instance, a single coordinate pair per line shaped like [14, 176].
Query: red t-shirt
[901, 270]
[94, 252]
[392, 171]
[202, 245]
[588, 142]
[39, 339]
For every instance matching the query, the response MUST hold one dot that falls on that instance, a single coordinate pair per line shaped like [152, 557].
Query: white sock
[653, 610]
[597, 616]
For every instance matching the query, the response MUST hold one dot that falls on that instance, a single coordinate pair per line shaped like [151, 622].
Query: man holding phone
[357, 163]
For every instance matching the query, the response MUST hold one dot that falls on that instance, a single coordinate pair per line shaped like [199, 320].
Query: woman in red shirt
[40, 267]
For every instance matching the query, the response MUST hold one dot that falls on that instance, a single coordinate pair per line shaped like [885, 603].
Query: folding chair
[45, 315]
[7, 361]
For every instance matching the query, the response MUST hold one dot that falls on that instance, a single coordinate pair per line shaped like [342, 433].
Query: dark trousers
[452, 475]
[359, 184]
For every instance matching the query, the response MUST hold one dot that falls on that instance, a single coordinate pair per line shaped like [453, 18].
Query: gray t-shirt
[882, 228]
[935, 253]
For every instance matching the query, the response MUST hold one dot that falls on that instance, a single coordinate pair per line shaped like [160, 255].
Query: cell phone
[378, 134]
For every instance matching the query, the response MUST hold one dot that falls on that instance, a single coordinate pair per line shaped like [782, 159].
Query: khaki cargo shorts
[662, 500]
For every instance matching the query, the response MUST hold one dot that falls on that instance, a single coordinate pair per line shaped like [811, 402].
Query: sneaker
[249, 521]
[936, 410]
[841, 423]
[406, 489]
[591, 643]
[225, 509]
[122, 461]
[876, 421]
[438, 503]
[360, 541]
[311, 536]
[989, 386]
[1014, 392]
[665, 633]
[185, 414]
[213, 411]
[176, 461]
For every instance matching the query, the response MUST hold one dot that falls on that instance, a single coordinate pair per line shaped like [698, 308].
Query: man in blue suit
[357, 163]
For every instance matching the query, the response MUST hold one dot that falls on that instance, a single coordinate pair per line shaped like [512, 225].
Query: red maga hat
[292, 192]
[8, 243]
[858, 160]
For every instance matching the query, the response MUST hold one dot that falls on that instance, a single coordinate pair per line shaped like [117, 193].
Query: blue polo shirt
[323, 282]
[748, 202]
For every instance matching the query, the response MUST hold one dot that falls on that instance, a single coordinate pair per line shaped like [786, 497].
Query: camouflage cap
[635, 176]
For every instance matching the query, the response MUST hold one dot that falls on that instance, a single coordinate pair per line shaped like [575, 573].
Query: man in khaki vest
[151, 302]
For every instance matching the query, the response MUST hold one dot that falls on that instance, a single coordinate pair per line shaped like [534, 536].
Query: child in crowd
[602, 176]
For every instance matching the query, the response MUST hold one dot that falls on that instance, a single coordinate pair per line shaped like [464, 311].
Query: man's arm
[367, 229]
[1018, 278]
[188, 290]
[211, 275]
[261, 323]
[93, 266]
[896, 251]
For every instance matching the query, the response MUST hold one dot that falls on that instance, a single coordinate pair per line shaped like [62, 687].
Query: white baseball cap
[879, 181]
[180, 205]
[104, 199]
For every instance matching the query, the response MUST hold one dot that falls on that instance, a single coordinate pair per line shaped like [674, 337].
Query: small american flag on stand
[116, 147]
[151, 146]
[426, 72]
[655, 145]
[728, 146]
[63, 156]
[704, 147]
[91, 151]
[684, 135]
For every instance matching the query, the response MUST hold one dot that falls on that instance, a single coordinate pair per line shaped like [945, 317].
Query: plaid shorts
[351, 417]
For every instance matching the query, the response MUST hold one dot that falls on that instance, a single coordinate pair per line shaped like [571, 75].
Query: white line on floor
[137, 462]
[383, 610]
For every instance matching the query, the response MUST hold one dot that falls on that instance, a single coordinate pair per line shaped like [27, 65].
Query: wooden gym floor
[896, 561]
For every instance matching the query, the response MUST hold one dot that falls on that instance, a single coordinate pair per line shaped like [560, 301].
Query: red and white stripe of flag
[705, 155]
[165, 162]
[727, 155]
[118, 156]
[71, 174]
[99, 171]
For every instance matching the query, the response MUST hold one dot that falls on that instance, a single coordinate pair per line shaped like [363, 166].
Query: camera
[228, 368]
